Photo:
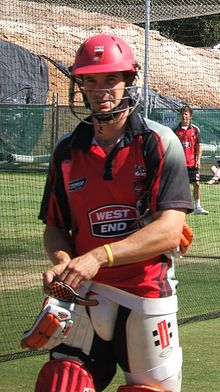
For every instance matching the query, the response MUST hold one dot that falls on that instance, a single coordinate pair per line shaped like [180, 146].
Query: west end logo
[113, 221]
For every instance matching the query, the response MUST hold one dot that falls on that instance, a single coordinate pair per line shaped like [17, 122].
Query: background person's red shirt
[190, 138]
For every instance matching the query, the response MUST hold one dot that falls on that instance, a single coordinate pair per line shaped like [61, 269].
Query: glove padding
[51, 326]
[55, 320]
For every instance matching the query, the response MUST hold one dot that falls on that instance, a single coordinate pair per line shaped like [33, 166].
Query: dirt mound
[175, 70]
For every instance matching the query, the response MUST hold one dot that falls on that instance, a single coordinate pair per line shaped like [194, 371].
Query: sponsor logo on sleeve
[186, 145]
[78, 184]
[113, 221]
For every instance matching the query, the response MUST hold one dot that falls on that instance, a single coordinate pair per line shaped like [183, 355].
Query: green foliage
[211, 31]
[201, 31]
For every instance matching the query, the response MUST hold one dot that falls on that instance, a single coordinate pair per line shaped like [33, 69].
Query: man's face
[104, 91]
[185, 118]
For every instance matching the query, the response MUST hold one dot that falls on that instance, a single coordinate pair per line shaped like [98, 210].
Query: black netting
[35, 113]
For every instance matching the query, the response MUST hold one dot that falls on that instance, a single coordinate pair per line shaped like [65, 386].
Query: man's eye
[112, 80]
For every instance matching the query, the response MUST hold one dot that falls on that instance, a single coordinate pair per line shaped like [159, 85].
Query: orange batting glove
[186, 239]
[56, 318]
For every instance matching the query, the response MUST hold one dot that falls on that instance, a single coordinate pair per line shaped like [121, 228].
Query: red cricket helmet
[104, 53]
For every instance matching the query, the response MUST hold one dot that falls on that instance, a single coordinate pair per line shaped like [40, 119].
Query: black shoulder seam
[82, 136]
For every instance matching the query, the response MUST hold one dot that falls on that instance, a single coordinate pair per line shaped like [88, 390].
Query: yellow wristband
[109, 254]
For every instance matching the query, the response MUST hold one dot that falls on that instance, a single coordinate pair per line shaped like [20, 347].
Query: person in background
[189, 135]
[215, 169]
[105, 177]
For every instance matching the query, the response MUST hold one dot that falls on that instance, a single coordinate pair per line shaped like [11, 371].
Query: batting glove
[185, 243]
[56, 318]
[186, 239]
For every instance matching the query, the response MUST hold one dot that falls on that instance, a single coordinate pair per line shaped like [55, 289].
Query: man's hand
[83, 268]
[56, 318]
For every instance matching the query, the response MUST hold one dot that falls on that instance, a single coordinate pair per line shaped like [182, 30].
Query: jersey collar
[83, 135]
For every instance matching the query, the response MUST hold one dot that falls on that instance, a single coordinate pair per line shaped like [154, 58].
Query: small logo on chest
[139, 171]
[186, 144]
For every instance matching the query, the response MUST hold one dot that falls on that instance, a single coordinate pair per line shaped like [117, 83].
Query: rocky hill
[175, 70]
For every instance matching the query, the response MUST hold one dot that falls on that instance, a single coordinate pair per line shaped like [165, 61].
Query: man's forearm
[57, 245]
[160, 236]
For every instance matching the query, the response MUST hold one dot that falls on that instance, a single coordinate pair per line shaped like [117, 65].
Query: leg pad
[60, 375]
[138, 388]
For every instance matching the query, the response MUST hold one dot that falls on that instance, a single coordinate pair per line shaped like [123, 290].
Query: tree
[201, 31]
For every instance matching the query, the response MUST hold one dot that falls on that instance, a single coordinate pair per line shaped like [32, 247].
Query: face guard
[104, 54]
[81, 108]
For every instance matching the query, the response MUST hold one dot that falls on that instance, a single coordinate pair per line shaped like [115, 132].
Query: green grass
[20, 229]
[200, 342]
[198, 287]
[20, 309]
[206, 228]
[197, 294]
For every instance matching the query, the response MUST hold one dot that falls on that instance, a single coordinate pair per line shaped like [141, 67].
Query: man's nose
[102, 92]
[100, 87]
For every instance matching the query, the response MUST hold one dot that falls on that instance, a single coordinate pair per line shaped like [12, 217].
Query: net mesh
[177, 74]
[133, 11]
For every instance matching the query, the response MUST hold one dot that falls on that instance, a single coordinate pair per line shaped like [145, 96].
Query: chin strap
[111, 114]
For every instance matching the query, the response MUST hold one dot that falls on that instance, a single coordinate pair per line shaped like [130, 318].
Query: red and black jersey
[190, 138]
[95, 196]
